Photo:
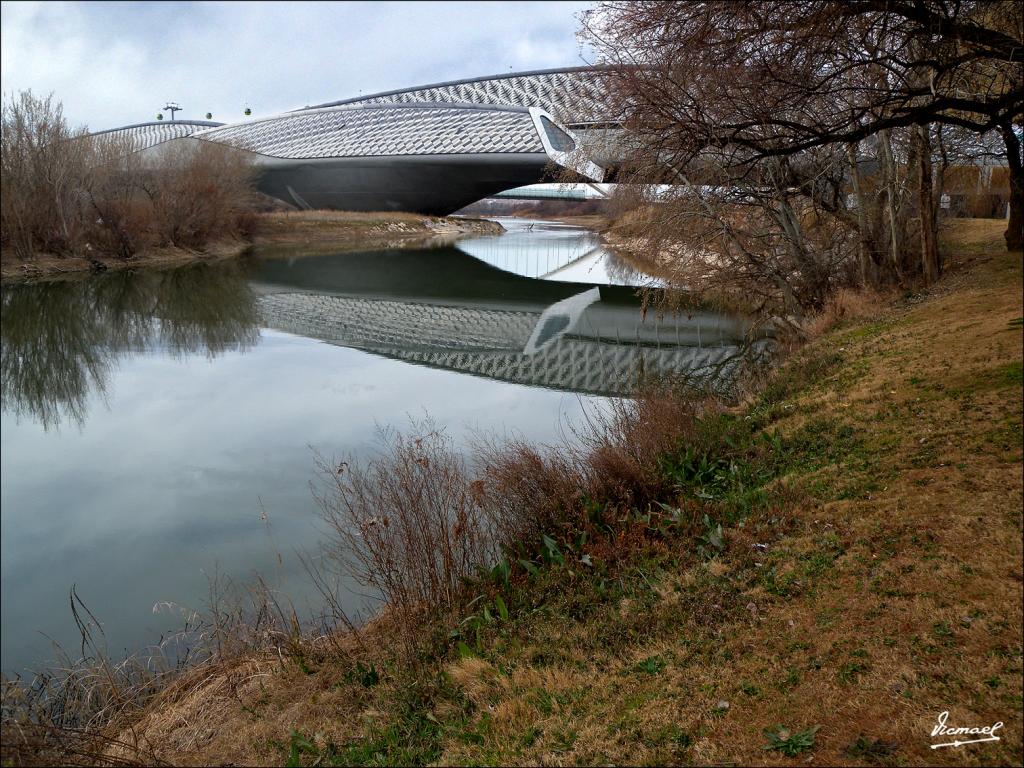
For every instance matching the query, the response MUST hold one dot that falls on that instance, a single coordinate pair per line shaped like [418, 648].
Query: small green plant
[788, 742]
[1012, 373]
[301, 745]
[530, 567]
[651, 666]
[851, 672]
[501, 572]
[870, 750]
[473, 625]
[501, 607]
[367, 676]
[303, 665]
[550, 551]
[712, 541]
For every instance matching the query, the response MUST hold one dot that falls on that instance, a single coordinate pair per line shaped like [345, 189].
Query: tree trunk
[863, 242]
[1015, 224]
[889, 171]
[926, 206]
[939, 177]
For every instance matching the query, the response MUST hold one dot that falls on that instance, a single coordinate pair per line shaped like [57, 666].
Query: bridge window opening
[560, 140]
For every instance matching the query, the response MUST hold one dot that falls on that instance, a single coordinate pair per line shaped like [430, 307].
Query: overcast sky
[118, 63]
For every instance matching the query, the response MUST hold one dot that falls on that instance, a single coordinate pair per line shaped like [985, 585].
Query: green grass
[790, 742]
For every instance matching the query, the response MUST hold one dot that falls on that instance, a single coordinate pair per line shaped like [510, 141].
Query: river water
[161, 427]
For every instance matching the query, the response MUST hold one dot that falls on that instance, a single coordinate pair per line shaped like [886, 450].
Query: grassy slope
[870, 578]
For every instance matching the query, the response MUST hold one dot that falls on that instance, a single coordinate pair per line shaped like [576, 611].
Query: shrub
[66, 192]
[406, 523]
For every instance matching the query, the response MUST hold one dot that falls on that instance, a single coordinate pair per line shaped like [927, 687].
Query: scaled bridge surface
[574, 95]
[384, 131]
[432, 149]
[145, 135]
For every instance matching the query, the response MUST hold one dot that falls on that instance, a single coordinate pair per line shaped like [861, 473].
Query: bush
[66, 192]
[41, 173]
[406, 523]
[418, 523]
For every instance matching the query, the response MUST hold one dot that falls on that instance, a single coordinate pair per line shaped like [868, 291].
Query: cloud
[113, 64]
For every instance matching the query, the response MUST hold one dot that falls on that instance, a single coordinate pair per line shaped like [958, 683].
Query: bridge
[430, 149]
[577, 192]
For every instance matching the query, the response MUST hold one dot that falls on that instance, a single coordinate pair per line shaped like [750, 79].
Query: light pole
[173, 107]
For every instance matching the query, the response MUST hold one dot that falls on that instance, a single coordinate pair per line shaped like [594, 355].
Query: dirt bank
[291, 233]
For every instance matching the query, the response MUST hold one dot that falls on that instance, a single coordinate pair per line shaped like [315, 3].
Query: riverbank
[592, 221]
[291, 232]
[819, 573]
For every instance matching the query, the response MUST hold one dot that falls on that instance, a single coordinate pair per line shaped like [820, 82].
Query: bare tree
[40, 170]
[718, 91]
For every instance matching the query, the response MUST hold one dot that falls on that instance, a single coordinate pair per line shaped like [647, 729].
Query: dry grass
[847, 305]
[406, 526]
[331, 229]
[528, 490]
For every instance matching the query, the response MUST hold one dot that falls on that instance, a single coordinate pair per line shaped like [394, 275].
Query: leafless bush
[527, 491]
[406, 523]
[66, 192]
[198, 190]
[418, 522]
[846, 305]
[42, 169]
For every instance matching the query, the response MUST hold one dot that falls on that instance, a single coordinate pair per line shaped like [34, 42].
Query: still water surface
[159, 427]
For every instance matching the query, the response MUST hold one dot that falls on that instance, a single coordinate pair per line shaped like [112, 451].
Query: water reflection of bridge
[521, 307]
[552, 251]
[605, 349]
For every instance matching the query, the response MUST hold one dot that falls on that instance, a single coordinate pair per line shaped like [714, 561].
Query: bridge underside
[432, 184]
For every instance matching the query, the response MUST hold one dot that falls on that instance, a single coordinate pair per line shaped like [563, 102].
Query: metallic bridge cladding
[574, 95]
[425, 158]
[380, 131]
[146, 135]
[431, 150]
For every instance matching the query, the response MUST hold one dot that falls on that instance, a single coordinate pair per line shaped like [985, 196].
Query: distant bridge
[557, 192]
[429, 149]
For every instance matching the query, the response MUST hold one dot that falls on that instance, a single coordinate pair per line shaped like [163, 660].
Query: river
[161, 427]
